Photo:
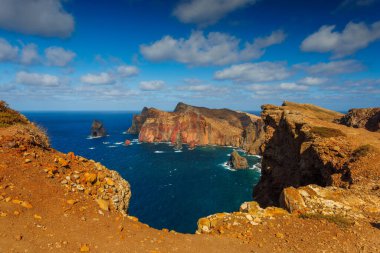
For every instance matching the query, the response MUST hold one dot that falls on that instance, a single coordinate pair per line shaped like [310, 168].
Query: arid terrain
[327, 194]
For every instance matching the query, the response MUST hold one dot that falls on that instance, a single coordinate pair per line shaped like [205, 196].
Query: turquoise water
[169, 189]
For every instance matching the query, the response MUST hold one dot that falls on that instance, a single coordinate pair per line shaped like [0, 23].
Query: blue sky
[239, 54]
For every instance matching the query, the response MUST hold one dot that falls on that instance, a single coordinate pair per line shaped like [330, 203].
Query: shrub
[337, 219]
[326, 132]
[10, 117]
[362, 151]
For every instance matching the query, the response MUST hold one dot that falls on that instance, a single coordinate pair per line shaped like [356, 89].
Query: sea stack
[97, 129]
[237, 161]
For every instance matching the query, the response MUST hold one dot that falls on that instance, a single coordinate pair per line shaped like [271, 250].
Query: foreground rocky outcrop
[98, 129]
[237, 161]
[200, 126]
[368, 118]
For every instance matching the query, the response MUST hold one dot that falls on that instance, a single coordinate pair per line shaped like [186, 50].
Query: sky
[99, 55]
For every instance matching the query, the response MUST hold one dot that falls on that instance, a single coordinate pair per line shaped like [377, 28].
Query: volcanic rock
[200, 126]
[97, 129]
[368, 118]
[237, 161]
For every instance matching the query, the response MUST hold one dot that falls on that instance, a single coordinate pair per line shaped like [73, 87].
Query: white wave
[93, 137]
[158, 152]
[112, 146]
[226, 166]
[118, 143]
[106, 142]
[256, 167]
[135, 140]
[92, 148]
[178, 151]
[228, 154]
[257, 156]
[124, 132]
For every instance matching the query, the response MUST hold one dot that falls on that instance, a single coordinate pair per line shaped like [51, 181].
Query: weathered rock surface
[368, 118]
[200, 126]
[237, 161]
[97, 129]
[304, 146]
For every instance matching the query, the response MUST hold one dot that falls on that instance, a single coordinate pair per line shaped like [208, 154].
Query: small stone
[84, 248]
[18, 237]
[16, 213]
[2, 214]
[90, 177]
[37, 217]
[63, 162]
[26, 204]
[279, 235]
[103, 204]
[27, 161]
[71, 201]
[64, 181]
[109, 181]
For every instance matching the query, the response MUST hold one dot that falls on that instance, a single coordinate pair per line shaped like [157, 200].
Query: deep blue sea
[169, 189]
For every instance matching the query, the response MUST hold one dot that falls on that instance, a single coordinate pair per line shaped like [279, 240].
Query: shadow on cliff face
[293, 158]
[375, 225]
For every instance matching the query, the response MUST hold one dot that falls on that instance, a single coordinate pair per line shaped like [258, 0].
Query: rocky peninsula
[319, 190]
[200, 126]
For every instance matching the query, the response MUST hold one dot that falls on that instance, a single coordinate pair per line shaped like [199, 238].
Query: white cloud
[354, 37]
[37, 79]
[58, 56]
[312, 80]
[214, 49]
[293, 86]
[101, 79]
[7, 51]
[38, 17]
[207, 12]
[29, 54]
[334, 67]
[254, 72]
[127, 71]
[152, 85]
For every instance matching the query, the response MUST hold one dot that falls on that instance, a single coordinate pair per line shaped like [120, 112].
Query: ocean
[169, 189]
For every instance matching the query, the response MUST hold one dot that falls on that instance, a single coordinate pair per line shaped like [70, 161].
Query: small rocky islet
[319, 189]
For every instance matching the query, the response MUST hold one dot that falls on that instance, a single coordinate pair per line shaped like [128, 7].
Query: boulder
[97, 129]
[368, 118]
[237, 161]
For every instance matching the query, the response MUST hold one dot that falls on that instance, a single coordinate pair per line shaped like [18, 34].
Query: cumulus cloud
[213, 49]
[281, 88]
[98, 79]
[355, 36]
[37, 79]
[207, 12]
[7, 51]
[312, 81]
[58, 56]
[152, 85]
[292, 86]
[38, 17]
[29, 54]
[127, 71]
[254, 72]
[333, 67]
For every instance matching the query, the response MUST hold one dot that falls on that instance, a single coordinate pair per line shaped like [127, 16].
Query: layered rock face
[200, 126]
[237, 161]
[304, 146]
[97, 129]
[368, 118]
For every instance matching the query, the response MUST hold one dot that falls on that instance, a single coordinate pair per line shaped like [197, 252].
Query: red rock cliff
[368, 118]
[200, 126]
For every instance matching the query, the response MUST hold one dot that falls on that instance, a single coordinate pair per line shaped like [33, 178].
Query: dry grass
[337, 219]
[9, 117]
[362, 151]
[326, 132]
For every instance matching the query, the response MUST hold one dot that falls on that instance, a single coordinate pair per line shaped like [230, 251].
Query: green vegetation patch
[326, 132]
[337, 219]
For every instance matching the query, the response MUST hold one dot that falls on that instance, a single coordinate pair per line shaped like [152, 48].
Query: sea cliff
[200, 126]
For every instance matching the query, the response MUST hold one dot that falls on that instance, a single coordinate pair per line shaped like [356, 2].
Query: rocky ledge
[368, 118]
[200, 126]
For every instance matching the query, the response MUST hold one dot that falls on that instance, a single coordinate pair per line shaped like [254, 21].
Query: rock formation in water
[200, 126]
[97, 129]
[368, 118]
[237, 161]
